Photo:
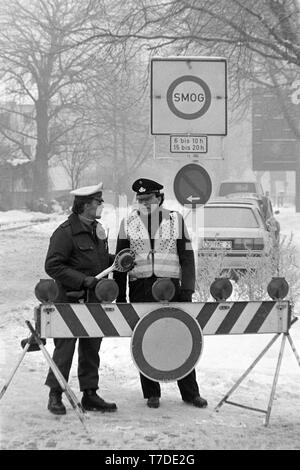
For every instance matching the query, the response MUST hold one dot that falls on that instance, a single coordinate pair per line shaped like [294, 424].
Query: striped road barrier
[69, 320]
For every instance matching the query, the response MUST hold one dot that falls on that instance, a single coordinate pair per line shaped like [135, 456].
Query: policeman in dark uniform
[162, 248]
[77, 253]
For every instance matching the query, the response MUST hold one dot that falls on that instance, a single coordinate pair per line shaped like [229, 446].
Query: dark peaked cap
[145, 186]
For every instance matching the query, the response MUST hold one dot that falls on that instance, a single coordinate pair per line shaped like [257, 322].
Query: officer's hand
[185, 295]
[90, 282]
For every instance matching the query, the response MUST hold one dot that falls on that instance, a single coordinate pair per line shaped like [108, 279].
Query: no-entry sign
[192, 185]
[166, 344]
[189, 95]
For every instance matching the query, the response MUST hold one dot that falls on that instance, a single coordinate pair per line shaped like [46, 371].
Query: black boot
[55, 405]
[198, 401]
[153, 402]
[92, 402]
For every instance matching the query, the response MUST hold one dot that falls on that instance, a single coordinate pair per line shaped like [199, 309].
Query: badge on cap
[142, 190]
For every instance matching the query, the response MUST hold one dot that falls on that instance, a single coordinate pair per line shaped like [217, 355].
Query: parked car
[231, 187]
[264, 204]
[236, 230]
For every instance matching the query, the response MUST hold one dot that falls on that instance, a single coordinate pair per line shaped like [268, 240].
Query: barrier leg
[6, 385]
[293, 349]
[275, 380]
[245, 375]
[60, 378]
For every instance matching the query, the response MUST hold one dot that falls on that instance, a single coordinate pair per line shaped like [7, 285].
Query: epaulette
[65, 224]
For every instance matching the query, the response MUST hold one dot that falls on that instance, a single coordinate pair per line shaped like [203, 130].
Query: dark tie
[94, 231]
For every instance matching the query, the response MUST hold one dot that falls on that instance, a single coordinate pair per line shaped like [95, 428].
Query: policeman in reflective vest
[77, 253]
[162, 248]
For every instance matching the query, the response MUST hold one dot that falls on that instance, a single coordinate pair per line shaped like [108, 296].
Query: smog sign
[188, 96]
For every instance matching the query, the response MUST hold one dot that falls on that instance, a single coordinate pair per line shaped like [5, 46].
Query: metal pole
[60, 378]
[247, 372]
[293, 348]
[5, 387]
[267, 419]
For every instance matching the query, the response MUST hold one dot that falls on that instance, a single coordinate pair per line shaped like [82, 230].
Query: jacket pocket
[85, 246]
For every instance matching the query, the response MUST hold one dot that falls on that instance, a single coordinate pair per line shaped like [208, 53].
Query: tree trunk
[297, 182]
[40, 167]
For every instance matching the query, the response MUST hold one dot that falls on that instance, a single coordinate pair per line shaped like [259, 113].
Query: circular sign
[166, 344]
[188, 97]
[124, 260]
[192, 185]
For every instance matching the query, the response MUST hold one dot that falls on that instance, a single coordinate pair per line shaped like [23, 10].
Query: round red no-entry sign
[192, 185]
[166, 344]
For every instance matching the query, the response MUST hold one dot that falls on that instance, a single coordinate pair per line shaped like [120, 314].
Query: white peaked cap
[87, 190]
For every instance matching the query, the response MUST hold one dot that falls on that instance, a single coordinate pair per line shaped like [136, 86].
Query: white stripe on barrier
[216, 319]
[87, 320]
[245, 318]
[119, 322]
[55, 326]
[277, 319]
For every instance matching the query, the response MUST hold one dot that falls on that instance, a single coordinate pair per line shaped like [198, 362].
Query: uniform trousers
[88, 361]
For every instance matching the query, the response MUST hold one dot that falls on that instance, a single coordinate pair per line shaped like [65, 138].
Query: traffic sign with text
[188, 144]
[189, 95]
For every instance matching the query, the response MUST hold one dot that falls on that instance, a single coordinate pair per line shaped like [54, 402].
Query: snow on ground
[15, 218]
[25, 422]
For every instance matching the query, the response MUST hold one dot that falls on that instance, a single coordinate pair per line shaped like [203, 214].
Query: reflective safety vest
[163, 260]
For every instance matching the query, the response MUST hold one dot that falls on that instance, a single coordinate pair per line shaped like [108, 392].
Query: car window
[229, 217]
[230, 187]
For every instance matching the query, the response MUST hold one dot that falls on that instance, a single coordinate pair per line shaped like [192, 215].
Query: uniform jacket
[162, 260]
[184, 251]
[75, 253]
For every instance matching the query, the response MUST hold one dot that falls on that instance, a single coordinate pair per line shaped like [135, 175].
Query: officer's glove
[90, 282]
[185, 295]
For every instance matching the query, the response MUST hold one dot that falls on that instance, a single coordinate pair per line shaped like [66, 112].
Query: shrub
[251, 283]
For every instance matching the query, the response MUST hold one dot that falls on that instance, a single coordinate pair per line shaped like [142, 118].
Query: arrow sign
[192, 185]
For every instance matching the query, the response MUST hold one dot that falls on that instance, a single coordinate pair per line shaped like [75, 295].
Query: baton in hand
[124, 261]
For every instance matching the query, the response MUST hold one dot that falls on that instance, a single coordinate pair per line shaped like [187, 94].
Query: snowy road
[26, 423]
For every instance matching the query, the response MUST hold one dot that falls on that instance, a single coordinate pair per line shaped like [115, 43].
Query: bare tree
[261, 40]
[118, 109]
[40, 67]
[269, 28]
[75, 155]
